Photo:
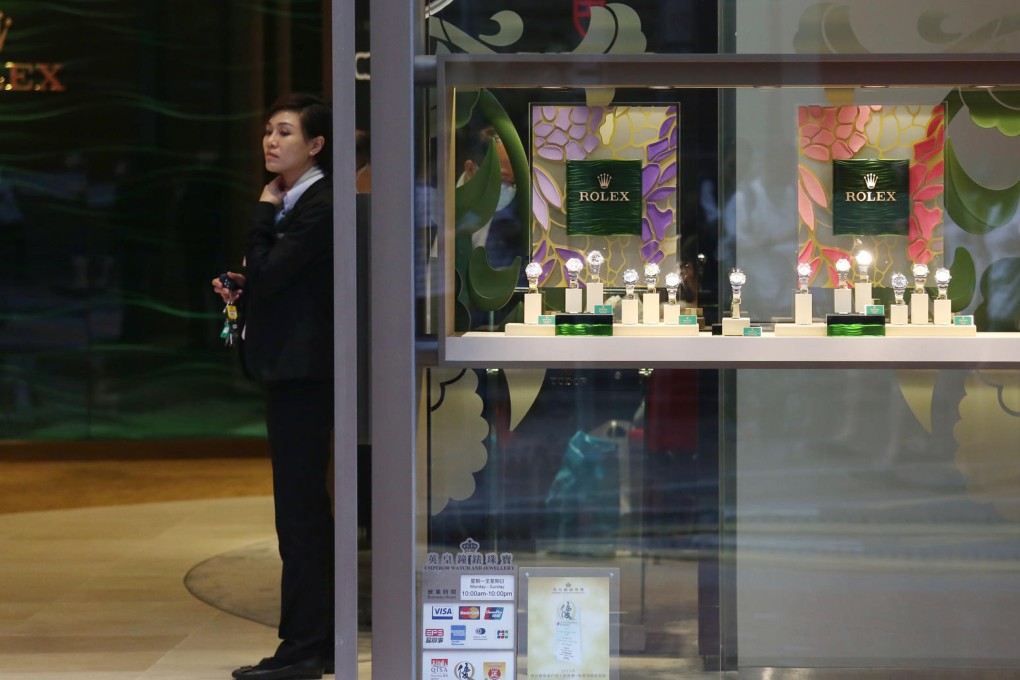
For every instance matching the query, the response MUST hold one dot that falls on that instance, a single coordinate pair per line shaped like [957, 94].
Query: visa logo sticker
[442, 612]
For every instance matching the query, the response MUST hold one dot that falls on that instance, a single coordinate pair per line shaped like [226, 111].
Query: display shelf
[989, 350]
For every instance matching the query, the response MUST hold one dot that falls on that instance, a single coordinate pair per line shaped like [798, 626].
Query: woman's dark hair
[316, 121]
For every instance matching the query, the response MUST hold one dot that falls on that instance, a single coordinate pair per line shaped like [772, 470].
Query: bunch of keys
[229, 333]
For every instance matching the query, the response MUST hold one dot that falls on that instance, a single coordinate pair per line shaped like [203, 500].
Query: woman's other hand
[229, 296]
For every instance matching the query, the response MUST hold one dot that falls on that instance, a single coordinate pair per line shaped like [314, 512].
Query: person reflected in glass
[285, 298]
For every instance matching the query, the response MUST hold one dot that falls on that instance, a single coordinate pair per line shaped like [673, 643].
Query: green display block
[752, 332]
[963, 320]
[584, 323]
[854, 325]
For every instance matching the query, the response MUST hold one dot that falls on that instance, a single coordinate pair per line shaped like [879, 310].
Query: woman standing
[286, 298]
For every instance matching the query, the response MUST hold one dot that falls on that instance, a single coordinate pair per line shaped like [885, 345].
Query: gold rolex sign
[603, 197]
[26, 76]
[870, 197]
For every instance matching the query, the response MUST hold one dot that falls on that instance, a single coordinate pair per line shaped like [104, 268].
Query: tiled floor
[98, 593]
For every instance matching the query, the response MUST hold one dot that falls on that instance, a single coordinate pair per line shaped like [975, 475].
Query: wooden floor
[58, 476]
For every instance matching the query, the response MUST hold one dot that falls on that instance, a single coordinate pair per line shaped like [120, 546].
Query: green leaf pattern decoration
[990, 410]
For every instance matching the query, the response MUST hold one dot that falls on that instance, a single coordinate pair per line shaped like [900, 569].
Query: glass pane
[903, 27]
[869, 505]
[130, 164]
[580, 26]
[590, 469]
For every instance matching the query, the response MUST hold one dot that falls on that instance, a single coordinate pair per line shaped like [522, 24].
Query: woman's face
[286, 150]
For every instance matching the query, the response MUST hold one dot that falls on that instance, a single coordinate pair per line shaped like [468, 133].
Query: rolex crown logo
[604, 179]
[870, 180]
[5, 28]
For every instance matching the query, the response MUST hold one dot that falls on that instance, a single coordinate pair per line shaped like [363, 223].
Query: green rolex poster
[870, 197]
[603, 197]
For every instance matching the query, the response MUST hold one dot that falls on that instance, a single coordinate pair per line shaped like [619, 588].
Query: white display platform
[802, 308]
[573, 300]
[522, 330]
[629, 310]
[671, 313]
[532, 308]
[919, 309]
[932, 347]
[594, 295]
[735, 327]
[650, 309]
[898, 315]
[842, 301]
[863, 297]
[942, 312]
[800, 330]
[654, 331]
[930, 331]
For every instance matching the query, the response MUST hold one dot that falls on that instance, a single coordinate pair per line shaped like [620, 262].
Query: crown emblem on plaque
[5, 28]
[870, 180]
[604, 179]
[470, 546]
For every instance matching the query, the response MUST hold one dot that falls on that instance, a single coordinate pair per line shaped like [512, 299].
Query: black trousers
[299, 419]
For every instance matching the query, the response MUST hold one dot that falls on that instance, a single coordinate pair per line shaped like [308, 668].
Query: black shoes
[274, 669]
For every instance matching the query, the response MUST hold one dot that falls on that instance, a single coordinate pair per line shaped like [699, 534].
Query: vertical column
[395, 38]
[345, 334]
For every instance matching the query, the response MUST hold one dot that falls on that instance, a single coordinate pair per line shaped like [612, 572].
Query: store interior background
[124, 194]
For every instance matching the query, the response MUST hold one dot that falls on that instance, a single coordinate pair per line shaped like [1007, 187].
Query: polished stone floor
[98, 593]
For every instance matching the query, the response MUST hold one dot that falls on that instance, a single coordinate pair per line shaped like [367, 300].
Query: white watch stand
[731, 326]
[596, 295]
[919, 309]
[898, 315]
[629, 311]
[942, 312]
[802, 309]
[650, 309]
[863, 297]
[671, 314]
[842, 301]
[532, 308]
[572, 300]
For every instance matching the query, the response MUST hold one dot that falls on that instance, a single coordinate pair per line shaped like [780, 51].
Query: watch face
[942, 275]
[864, 258]
[595, 259]
[737, 278]
[630, 276]
[533, 270]
[899, 280]
[574, 265]
[651, 270]
[842, 265]
[920, 270]
[672, 280]
[804, 269]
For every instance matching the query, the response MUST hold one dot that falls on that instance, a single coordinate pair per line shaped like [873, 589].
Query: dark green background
[870, 218]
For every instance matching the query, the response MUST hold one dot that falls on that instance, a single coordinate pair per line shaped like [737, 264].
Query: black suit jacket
[288, 291]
